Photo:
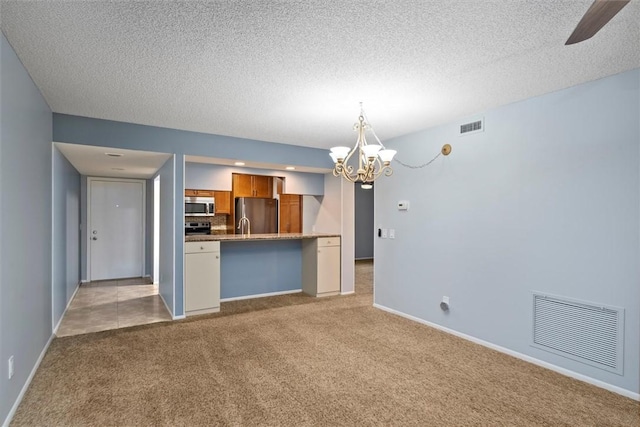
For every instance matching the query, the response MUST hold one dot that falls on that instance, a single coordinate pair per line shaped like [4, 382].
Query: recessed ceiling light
[239, 163]
[117, 169]
[290, 168]
[113, 154]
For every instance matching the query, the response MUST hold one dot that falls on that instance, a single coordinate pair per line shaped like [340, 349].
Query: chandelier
[373, 160]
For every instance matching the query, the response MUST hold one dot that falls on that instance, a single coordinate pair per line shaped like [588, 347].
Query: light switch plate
[392, 233]
[384, 233]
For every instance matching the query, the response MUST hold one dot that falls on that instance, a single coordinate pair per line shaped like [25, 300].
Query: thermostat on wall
[403, 205]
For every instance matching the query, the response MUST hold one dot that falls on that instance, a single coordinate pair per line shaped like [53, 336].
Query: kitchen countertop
[252, 237]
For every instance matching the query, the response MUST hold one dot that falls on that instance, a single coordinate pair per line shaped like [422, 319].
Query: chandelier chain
[418, 166]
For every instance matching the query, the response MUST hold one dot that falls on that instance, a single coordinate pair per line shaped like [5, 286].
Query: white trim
[173, 236]
[563, 371]
[180, 317]
[53, 249]
[347, 293]
[144, 219]
[26, 385]
[269, 294]
[85, 281]
[55, 330]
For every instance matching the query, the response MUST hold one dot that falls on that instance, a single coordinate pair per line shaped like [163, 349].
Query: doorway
[364, 224]
[116, 224]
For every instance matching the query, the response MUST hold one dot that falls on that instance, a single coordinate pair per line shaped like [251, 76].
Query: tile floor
[112, 304]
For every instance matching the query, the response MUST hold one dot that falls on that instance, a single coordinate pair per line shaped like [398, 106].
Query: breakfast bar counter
[218, 268]
[253, 237]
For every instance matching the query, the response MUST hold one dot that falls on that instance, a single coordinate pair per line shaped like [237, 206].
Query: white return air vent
[472, 127]
[588, 333]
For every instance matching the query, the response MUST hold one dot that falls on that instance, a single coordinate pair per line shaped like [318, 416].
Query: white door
[116, 228]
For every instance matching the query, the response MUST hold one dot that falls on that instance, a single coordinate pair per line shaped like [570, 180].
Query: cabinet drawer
[197, 247]
[328, 241]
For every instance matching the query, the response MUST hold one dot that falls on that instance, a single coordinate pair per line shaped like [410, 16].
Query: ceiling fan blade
[600, 12]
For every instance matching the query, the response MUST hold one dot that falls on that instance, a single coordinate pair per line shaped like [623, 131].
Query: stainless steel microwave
[199, 206]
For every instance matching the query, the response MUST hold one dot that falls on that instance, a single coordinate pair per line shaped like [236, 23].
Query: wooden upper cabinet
[290, 213]
[223, 202]
[199, 193]
[263, 186]
[252, 185]
[242, 185]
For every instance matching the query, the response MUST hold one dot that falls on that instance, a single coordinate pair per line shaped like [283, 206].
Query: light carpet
[301, 361]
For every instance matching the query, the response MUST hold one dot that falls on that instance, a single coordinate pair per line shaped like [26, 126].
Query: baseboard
[27, 383]
[563, 371]
[85, 281]
[182, 316]
[347, 293]
[55, 330]
[270, 294]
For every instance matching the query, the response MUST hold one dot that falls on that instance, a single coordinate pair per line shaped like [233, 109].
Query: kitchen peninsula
[234, 266]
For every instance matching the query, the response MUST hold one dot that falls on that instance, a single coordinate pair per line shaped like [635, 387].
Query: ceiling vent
[472, 127]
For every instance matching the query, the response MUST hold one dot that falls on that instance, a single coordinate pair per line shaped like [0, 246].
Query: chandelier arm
[373, 132]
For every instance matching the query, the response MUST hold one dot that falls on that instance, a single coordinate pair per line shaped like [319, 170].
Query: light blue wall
[167, 243]
[106, 133]
[546, 199]
[66, 233]
[25, 246]
[260, 267]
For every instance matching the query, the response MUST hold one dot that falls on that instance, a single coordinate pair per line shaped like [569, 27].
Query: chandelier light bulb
[386, 155]
[371, 151]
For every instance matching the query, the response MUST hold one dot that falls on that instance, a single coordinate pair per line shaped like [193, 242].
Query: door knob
[94, 238]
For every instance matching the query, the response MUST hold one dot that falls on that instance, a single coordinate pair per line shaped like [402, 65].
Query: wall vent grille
[473, 127]
[588, 333]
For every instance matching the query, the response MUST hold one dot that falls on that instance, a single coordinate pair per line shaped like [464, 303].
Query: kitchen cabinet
[252, 185]
[321, 266]
[223, 202]
[202, 277]
[198, 193]
[290, 213]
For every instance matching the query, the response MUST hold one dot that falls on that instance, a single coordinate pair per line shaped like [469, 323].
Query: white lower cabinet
[321, 266]
[202, 277]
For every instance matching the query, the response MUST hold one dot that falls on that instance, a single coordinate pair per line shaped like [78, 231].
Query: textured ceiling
[294, 71]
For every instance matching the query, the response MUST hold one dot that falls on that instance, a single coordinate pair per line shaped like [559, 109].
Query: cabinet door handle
[217, 256]
[201, 248]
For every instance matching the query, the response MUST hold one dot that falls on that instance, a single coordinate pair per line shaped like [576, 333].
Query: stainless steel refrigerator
[261, 213]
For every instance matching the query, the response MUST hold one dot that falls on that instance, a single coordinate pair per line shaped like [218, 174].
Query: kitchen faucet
[244, 220]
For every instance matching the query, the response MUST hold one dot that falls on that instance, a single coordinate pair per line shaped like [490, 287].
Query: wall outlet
[10, 367]
[445, 300]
